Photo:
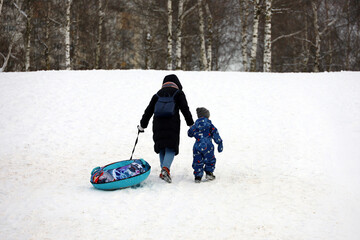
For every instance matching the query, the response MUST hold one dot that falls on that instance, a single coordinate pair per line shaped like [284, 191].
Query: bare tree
[348, 36]
[203, 60]
[267, 44]
[209, 36]
[6, 59]
[182, 15]
[179, 33]
[255, 35]
[67, 35]
[317, 37]
[169, 34]
[98, 43]
[1, 5]
[29, 27]
[27, 14]
[319, 34]
[244, 11]
[47, 37]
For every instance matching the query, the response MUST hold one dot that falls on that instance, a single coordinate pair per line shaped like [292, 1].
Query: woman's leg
[162, 155]
[168, 158]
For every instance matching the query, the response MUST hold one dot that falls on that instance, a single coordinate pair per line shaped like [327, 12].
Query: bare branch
[189, 11]
[57, 22]
[285, 36]
[327, 26]
[6, 59]
[306, 40]
[21, 11]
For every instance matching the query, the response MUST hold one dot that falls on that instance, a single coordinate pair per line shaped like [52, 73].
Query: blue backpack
[165, 106]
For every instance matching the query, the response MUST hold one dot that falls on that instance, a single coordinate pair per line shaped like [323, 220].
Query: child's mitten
[220, 147]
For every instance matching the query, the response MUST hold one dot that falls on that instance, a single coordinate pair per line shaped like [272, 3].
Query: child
[204, 159]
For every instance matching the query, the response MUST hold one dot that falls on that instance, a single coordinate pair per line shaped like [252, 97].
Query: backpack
[165, 106]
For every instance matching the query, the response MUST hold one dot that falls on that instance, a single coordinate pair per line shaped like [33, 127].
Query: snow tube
[120, 174]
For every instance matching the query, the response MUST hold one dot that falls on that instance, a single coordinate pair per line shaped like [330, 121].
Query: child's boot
[210, 176]
[165, 174]
[197, 179]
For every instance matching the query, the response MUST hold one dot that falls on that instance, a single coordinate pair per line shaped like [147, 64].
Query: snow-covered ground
[290, 167]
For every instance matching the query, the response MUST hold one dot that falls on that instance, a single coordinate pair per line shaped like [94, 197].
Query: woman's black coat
[166, 131]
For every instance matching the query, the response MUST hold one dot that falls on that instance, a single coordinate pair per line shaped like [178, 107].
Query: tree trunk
[98, 44]
[210, 37]
[203, 60]
[169, 35]
[348, 49]
[28, 35]
[329, 41]
[267, 43]
[1, 4]
[179, 34]
[148, 44]
[305, 47]
[75, 59]
[244, 6]
[317, 39]
[47, 37]
[67, 35]
[255, 36]
[6, 59]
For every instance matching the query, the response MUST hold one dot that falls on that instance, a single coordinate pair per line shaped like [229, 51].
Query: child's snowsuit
[204, 159]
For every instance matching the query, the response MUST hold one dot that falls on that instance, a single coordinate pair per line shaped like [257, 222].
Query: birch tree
[67, 35]
[317, 37]
[1, 5]
[148, 44]
[267, 41]
[244, 10]
[27, 14]
[182, 15]
[319, 34]
[47, 37]
[255, 35]
[348, 35]
[6, 59]
[203, 60]
[209, 37]
[98, 43]
[169, 34]
[305, 46]
[28, 34]
[76, 42]
[179, 34]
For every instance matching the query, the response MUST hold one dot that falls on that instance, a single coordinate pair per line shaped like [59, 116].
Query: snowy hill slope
[290, 167]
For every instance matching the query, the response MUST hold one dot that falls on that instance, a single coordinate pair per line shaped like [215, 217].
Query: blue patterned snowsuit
[204, 159]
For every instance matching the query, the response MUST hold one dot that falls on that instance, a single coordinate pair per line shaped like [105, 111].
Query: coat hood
[173, 78]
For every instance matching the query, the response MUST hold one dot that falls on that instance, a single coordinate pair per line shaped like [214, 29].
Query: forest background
[190, 35]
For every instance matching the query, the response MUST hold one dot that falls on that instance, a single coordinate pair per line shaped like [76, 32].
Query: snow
[290, 167]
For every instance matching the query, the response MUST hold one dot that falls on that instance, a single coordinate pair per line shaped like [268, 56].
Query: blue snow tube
[120, 174]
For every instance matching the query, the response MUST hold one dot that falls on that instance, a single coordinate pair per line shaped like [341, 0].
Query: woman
[166, 130]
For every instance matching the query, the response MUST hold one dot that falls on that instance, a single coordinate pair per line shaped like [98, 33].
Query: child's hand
[220, 147]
